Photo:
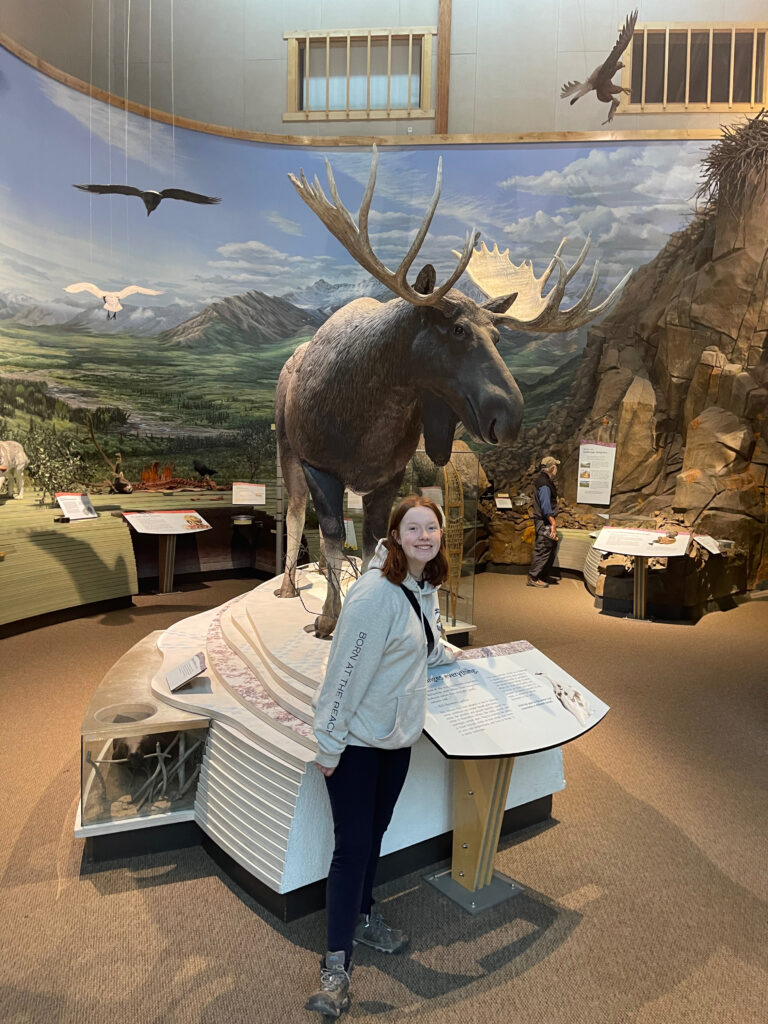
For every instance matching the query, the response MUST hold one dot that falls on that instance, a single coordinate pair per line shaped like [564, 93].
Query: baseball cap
[548, 461]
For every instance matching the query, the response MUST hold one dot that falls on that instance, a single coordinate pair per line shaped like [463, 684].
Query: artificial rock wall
[681, 371]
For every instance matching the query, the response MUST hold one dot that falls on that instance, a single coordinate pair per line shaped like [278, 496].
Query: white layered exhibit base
[259, 797]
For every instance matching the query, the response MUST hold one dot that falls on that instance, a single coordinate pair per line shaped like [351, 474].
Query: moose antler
[354, 237]
[495, 274]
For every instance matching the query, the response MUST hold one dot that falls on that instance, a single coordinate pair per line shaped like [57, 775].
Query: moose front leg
[328, 495]
[376, 508]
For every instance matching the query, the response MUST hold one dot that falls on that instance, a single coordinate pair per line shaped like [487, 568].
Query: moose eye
[458, 331]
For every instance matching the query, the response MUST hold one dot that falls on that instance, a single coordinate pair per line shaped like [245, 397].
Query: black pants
[543, 551]
[363, 791]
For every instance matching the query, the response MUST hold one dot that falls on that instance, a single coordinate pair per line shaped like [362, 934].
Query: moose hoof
[324, 626]
[320, 636]
[287, 589]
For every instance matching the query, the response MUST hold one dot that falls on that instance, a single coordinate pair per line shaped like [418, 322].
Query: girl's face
[419, 535]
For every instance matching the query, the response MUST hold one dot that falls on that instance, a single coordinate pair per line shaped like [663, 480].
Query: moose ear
[425, 282]
[501, 304]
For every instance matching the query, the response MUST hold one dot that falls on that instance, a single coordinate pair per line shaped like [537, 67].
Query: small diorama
[140, 757]
[133, 767]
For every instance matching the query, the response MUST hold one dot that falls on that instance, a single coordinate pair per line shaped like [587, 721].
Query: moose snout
[501, 416]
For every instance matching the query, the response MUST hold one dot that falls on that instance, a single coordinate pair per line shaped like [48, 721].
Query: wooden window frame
[297, 40]
[687, 106]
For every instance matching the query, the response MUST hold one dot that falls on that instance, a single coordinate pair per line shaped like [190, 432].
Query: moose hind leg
[296, 485]
[328, 495]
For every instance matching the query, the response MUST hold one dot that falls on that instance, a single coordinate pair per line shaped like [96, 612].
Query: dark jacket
[544, 480]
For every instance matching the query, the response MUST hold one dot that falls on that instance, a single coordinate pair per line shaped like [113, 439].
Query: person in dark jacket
[545, 510]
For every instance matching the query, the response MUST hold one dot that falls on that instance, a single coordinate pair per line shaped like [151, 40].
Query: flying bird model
[600, 79]
[150, 198]
[111, 299]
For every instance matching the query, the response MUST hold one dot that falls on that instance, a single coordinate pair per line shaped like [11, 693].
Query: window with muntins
[695, 68]
[371, 74]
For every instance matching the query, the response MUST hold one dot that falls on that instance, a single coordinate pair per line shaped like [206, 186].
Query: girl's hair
[395, 566]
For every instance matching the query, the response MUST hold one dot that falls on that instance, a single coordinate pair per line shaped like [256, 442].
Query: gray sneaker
[372, 930]
[332, 998]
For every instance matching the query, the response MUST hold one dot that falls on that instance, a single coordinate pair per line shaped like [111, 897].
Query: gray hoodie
[375, 688]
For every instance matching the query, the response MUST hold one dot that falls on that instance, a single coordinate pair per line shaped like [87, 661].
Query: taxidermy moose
[352, 402]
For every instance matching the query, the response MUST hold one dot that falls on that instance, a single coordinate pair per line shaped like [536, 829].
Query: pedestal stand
[480, 789]
[636, 544]
[639, 586]
[166, 562]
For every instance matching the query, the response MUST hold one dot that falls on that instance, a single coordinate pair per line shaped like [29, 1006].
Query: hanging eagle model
[150, 198]
[111, 300]
[600, 79]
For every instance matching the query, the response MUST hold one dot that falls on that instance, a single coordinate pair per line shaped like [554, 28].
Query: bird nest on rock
[735, 170]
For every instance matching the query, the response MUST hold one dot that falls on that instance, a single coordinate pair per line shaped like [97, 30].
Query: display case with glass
[140, 758]
[455, 488]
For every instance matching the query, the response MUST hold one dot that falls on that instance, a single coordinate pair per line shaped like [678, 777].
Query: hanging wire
[125, 109]
[149, 71]
[125, 79]
[582, 19]
[90, 142]
[109, 116]
[173, 105]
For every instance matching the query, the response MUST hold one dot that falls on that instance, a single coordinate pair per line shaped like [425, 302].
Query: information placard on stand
[76, 505]
[166, 526]
[642, 545]
[249, 494]
[490, 705]
[163, 523]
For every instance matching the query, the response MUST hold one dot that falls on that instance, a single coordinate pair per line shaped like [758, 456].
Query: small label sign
[185, 672]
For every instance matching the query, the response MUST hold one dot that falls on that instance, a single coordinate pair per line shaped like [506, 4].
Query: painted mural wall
[190, 371]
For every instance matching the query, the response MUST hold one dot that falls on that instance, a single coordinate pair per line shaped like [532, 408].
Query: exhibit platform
[259, 800]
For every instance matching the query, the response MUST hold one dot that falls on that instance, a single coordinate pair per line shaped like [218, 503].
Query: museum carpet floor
[644, 897]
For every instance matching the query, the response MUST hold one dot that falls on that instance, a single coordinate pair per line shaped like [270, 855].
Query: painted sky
[630, 197]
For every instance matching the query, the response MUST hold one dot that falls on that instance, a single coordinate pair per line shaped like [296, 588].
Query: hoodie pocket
[405, 717]
[387, 719]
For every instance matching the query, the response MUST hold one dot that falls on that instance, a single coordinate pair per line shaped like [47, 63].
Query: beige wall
[508, 58]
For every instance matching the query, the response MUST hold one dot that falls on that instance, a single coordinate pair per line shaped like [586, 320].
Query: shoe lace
[332, 978]
[377, 924]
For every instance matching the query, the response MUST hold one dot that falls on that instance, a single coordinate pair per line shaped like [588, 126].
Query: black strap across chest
[417, 608]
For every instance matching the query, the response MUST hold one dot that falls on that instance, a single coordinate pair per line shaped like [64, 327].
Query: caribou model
[352, 402]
